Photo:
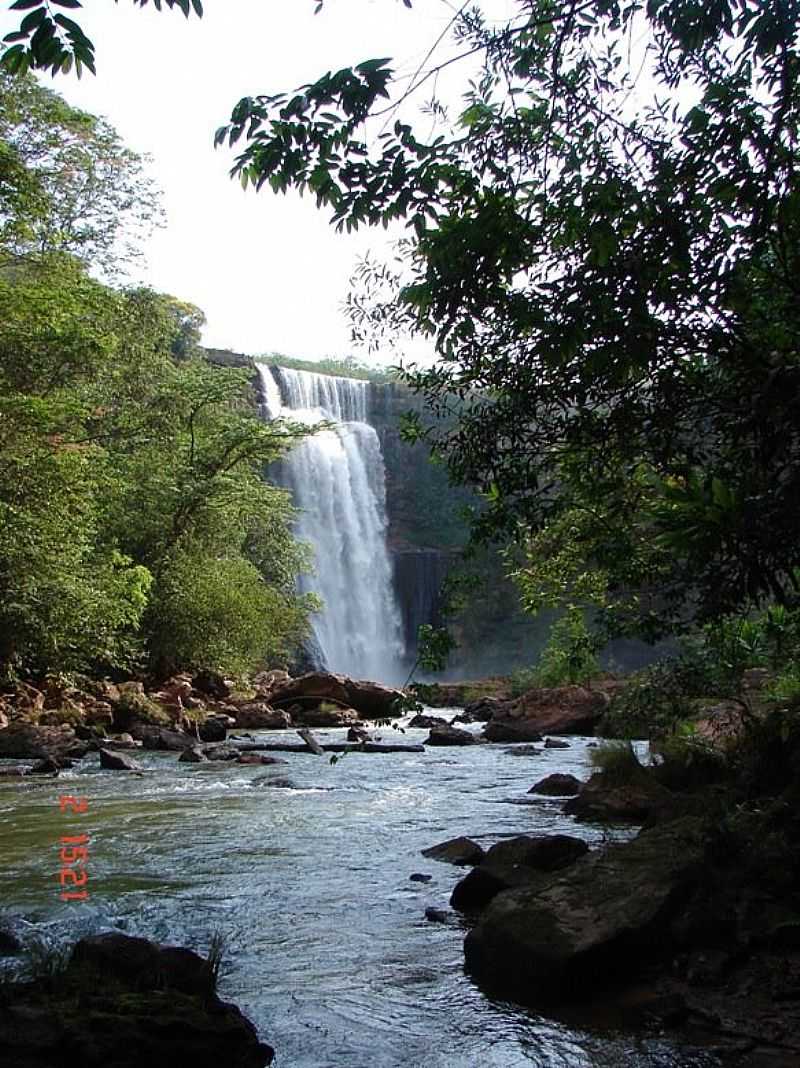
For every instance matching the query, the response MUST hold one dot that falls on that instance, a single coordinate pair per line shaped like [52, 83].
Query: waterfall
[338, 484]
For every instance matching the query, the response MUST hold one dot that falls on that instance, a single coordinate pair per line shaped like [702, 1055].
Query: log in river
[331, 747]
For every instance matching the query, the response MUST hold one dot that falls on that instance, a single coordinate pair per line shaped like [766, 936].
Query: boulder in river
[481, 711]
[357, 733]
[370, 700]
[159, 738]
[556, 743]
[557, 785]
[607, 799]
[50, 765]
[591, 923]
[193, 755]
[515, 862]
[221, 752]
[455, 851]
[213, 729]
[447, 735]
[428, 722]
[324, 716]
[558, 710]
[259, 715]
[118, 761]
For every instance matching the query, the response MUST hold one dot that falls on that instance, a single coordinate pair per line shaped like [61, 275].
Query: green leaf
[31, 21]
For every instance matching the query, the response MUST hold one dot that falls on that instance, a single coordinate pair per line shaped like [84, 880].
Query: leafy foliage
[608, 273]
[67, 183]
[55, 41]
[570, 655]
[136, 529]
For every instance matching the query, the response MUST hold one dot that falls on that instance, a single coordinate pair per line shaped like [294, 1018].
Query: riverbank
[328, 949]
[255, 841]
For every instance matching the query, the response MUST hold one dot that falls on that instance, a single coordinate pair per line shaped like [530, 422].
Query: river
[327, 948]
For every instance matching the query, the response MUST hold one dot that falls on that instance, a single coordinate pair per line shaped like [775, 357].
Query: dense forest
[136, 529]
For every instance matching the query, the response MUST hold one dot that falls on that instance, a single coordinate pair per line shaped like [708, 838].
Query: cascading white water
[338, 483]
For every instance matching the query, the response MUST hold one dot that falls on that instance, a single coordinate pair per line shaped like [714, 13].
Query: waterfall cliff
[338, 483]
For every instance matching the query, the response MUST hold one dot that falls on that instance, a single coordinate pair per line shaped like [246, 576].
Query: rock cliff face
[427, 528]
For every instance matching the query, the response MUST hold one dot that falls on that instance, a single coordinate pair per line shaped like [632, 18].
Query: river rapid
[327, 948]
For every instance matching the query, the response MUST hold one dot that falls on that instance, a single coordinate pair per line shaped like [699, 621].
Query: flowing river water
[327, 948]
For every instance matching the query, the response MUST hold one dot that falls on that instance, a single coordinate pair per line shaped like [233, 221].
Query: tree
[67, 182]
[604, 249]
[136, 527]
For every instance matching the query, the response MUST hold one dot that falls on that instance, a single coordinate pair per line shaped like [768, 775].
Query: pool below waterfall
[327, 948]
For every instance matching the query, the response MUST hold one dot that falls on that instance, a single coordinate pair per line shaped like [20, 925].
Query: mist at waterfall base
[338, 485]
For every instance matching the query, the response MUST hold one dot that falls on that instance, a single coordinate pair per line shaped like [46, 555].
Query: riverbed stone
[557, 785]
[213, 685]
[21, 739]
[590, 923]
[213, 729]
[159, 738]
[455, 851]
[324, 716]
[118, 761]
[605, 799]
[260, 715]
[556, 743]
[444, 734]
[481, 711]
[426, 721]
[193, 755]
[223, 752]
[50, 765]
[556, 710]
[515, 862]
[371, 700]
[357, 733]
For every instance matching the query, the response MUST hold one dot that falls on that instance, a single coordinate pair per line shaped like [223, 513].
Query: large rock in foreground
[371, 700]
[562, 710]
[515, 862]
[126, 1002]
[591, 924]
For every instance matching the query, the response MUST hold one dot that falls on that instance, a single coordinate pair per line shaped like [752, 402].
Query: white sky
[269, 272]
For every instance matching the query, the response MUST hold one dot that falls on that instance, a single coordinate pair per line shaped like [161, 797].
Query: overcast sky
[269, 272]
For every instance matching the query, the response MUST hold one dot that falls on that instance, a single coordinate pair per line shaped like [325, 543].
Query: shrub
[618, 762]
[685, 761]
[570, 655]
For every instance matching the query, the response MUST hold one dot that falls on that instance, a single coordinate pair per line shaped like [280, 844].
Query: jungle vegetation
[137, 531]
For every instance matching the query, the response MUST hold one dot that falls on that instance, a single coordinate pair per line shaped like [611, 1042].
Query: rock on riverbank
[126, 1002]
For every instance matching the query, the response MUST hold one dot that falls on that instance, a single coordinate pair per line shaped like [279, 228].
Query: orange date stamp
[74, 852]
